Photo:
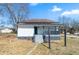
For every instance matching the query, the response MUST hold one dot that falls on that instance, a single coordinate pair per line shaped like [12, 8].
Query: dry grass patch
[57, 48]
[9, 44]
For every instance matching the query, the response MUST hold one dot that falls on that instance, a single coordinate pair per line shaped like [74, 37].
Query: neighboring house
[5, 30]
[38, 28]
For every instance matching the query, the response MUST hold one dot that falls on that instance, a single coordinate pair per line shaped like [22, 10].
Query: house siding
[29, 32]
[25, 31]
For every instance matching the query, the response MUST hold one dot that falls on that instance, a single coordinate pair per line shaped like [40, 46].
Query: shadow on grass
[45, 45]
[52, 43]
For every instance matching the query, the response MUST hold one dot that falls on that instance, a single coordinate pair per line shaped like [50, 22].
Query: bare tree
[75, 24]
[2, 23]
[16, 15]
[65, 21]
[72, 25]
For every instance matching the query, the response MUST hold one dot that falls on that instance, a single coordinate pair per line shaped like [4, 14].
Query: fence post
[65, 38]
[49, 39]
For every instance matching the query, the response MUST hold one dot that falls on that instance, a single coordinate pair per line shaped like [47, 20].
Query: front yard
[57, 48]
[10, 45]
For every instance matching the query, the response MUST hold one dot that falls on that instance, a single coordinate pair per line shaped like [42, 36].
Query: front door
[35, 30]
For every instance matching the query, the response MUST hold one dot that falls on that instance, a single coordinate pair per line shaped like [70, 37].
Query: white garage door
[25, 32]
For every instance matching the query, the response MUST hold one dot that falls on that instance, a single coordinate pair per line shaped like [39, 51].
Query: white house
[5, 30]
[38, 28]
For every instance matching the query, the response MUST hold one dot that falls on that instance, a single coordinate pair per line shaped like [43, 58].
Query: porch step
[38, 38]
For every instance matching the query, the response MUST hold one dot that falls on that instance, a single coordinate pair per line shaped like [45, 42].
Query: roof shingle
[38, 21]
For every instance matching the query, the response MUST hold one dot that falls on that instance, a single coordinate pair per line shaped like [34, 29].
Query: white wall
[25, 32]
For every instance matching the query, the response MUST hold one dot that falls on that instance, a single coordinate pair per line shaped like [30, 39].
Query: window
[57, 29]
[52, 28]
[45, 30]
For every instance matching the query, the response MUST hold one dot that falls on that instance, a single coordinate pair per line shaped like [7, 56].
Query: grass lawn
[9, 44]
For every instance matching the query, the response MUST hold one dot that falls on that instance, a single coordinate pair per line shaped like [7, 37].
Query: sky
[50, 11]
[54, 10]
